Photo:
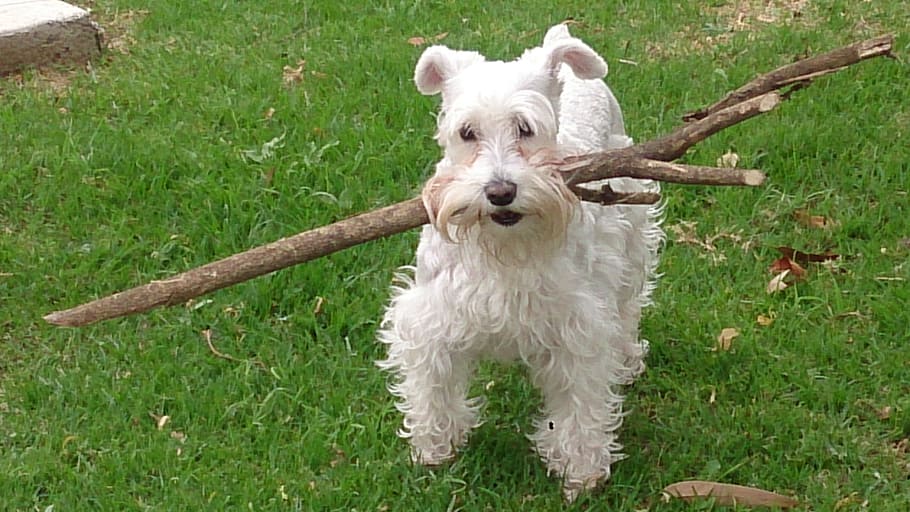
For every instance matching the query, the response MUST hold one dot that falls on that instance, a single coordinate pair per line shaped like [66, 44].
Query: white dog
[514, 267]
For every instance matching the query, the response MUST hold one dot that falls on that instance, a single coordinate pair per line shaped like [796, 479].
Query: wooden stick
[247, 265]
[674, 145]
[646, 160]
[618, 164]
[802, 71]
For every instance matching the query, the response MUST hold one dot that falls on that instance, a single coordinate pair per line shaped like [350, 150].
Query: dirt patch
[118, 28]
[117, 38]
[723, 22]
[53, 81]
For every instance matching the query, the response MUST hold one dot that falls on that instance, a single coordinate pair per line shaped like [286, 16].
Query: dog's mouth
[505, 217]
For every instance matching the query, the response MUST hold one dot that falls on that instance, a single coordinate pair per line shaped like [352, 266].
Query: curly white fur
[544, 279]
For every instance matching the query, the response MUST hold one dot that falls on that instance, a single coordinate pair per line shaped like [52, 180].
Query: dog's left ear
[438, 65]
[584, 61]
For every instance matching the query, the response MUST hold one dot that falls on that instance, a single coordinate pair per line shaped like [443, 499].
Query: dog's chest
[512, 313]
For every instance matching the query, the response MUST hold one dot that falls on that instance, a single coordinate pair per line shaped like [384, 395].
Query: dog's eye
[524, 130]
[467, 134]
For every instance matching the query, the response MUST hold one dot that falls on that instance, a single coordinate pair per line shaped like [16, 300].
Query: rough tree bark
[648, 160]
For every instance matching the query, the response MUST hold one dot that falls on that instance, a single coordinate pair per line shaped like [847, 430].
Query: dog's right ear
[439, 64]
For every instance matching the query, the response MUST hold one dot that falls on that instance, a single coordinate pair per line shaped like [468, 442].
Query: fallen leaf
[728, 494]
[713, 398]
[784, 263]
[160, 421]
[813, 221]
[418, 41]
[804, 257]
[777, 283]
[317, 310]
[292, 75]
[178, 436]
[728, 160]
[269, 113]
[339, 456]
[725, 339]
[765, 320]
[851, 499]
[884, 413]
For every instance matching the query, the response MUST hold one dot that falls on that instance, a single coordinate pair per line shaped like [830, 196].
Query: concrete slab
[42, 32]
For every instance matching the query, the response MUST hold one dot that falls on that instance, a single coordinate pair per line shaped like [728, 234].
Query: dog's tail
[556, 33]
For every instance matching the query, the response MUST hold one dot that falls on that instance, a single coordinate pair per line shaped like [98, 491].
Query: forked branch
[648, 160]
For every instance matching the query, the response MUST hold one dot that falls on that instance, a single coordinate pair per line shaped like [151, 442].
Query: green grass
[152, 163]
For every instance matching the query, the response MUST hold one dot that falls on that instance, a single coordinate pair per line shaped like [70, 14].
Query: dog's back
[590, 118]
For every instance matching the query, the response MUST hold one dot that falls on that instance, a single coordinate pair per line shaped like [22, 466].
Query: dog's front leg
[576, 436]
[433, 375]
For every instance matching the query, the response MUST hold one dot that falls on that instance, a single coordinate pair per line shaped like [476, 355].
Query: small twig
[674, 145]
[606, 195]
[207, 335]
[809, 68]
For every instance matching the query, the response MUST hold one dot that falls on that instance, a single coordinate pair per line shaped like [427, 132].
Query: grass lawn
[212, 127]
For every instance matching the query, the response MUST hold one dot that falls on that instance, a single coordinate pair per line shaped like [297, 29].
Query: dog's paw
[572, 489]
[432, 457]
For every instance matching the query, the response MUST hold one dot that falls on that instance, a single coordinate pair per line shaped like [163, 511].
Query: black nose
[500, 193]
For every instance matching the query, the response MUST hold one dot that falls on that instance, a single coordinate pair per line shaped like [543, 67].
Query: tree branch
[647, 160]
[801, 71]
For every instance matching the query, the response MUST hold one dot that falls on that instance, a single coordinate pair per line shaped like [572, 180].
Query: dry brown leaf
[339, 456]
[777, 283]
[725, 339]
[884, 413]
[784, 263]
[178, 436]
[269, 113]
[728, 160]
[901, 447]
[851, 499]
[728, 494]
[765, 320]
[804, 257]
[292, 75]
[160, 421]
[418, 41]
[813, 221]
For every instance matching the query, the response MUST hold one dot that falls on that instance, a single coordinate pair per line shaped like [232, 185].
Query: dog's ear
[439, 64]
[565, 49]
[555, 33]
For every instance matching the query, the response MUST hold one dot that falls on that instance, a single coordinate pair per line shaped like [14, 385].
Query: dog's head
[496, 121]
